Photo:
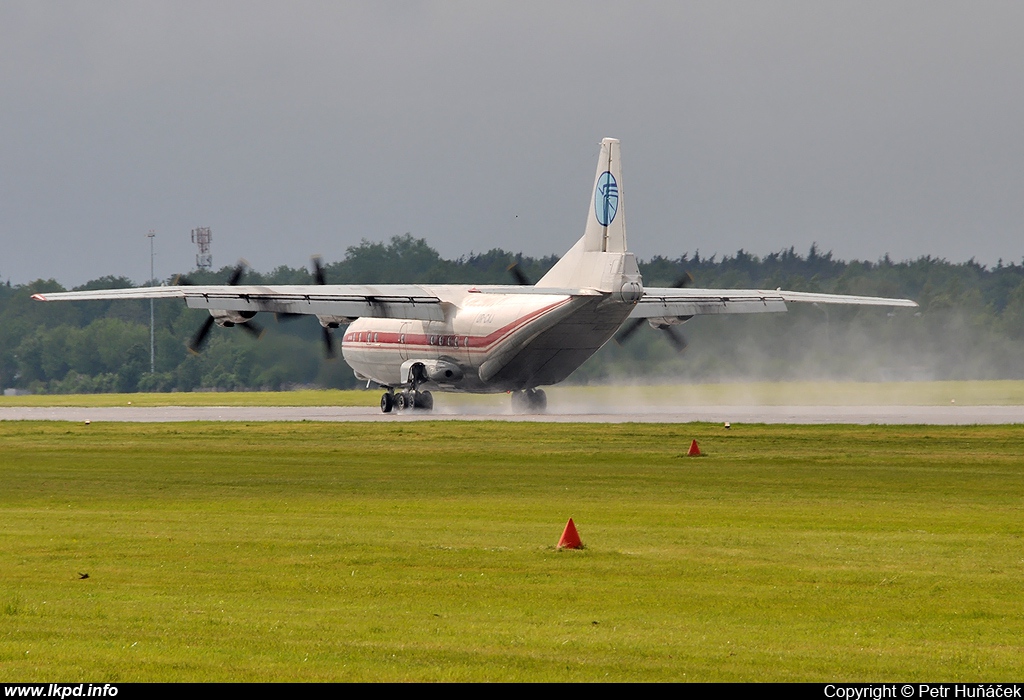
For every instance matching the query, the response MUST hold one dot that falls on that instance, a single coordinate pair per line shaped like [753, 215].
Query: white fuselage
[497, 342]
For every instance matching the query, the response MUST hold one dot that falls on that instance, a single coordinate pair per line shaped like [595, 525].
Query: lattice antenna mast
[202, 238]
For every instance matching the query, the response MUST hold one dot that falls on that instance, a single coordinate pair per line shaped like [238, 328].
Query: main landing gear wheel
[537, 400]
[529, 401]
[422, 400]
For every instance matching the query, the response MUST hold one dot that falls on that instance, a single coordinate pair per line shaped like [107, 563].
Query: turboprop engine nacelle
[334, 321]
[662, 322]
[228, 319]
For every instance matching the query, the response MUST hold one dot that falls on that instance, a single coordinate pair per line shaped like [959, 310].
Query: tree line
[969, 325]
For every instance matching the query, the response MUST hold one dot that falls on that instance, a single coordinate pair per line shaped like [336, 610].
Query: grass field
[425, 551]
[996, 392]
[307, 397]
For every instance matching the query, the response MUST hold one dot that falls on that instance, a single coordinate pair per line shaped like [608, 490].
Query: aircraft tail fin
[600, 259]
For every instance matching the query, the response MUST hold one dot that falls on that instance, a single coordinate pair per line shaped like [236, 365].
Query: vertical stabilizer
[606, 224]
[600, 259]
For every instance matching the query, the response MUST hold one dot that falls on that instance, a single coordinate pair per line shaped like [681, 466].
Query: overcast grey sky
[303, 127]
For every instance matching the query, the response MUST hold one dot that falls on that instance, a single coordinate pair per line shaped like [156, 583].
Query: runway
[804, 415]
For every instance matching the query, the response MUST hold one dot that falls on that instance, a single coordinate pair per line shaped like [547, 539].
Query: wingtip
[39, 297]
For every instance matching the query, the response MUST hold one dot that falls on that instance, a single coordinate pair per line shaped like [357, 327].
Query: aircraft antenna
[202, 238]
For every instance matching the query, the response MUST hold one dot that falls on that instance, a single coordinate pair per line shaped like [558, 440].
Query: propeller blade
[328, 343]
[196, 344]
[328, 337]
[236, 276]
[318, 270]
[182, 281]
[676, 338]
[629, 330]
[685, 281]
[252, 328]
[519, 275]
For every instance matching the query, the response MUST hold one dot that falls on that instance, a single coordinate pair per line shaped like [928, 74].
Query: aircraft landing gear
[401, 401]
[529, 401]
[423, 400]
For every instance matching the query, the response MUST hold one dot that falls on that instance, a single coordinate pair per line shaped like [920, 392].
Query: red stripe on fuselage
[476, 343]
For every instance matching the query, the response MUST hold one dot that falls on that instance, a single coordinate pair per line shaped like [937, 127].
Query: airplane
[412, 339]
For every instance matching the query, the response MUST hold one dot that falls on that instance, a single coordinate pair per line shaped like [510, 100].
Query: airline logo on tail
[606, 198]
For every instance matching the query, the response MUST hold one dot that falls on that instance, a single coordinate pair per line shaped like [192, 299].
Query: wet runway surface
[862, 415]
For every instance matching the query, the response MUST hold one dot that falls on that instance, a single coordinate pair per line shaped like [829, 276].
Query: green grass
[307, 397]
[996, 392]
[316, 552]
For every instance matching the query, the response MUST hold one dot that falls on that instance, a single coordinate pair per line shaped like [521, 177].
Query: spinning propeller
[199, 339]
[677, 339]
[328, 337]
[519, 276]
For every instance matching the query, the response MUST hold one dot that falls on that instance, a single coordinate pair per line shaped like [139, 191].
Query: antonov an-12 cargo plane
[411, 339]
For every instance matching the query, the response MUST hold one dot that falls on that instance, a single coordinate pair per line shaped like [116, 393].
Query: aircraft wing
[342, 300]
[667, 302]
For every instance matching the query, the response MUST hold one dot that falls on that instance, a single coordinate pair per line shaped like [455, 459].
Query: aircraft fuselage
[487, 342]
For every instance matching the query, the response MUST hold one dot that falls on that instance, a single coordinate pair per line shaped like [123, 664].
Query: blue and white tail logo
[606, 198]
[600, 259]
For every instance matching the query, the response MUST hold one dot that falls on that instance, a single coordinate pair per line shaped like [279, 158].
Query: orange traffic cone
[694, 450]
[570, 538]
